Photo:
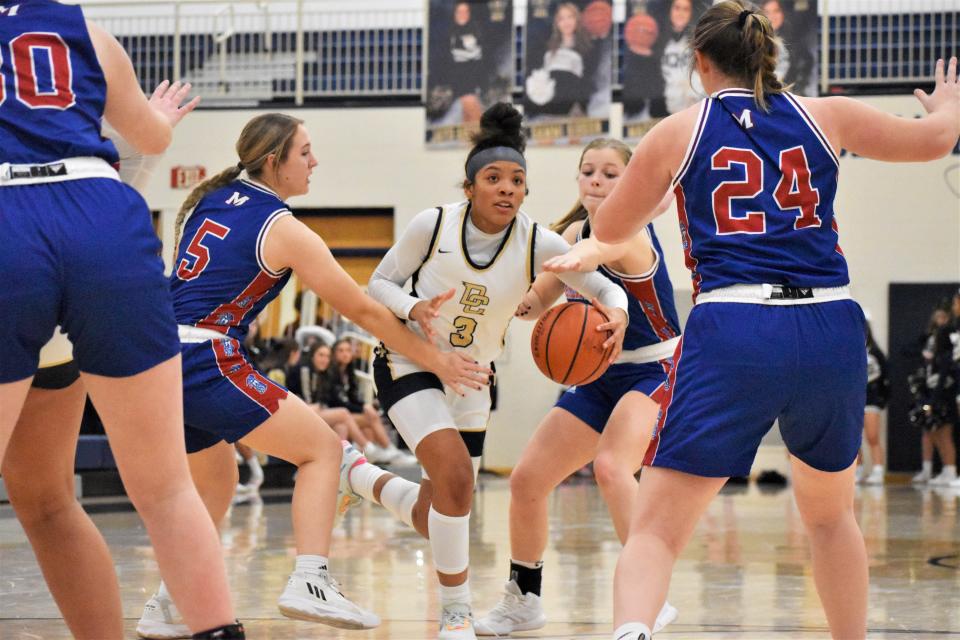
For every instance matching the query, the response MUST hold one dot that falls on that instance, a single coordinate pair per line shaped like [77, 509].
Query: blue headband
[491, 155]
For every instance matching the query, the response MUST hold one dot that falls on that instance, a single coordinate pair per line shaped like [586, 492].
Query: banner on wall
[469, 65]
[568, 64]
[657, 57]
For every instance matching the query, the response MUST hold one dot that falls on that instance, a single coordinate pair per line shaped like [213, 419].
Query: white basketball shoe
[456, 622]
[516, 611]
[161, 620]
[316, 597]
[346, 497]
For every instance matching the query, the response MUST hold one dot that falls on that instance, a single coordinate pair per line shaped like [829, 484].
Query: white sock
[256, 472]
[398, 497]
[950, 469]
[928, 467]
[311, 564]
[362, 478]
[878, 469]
[450, 541]
[459, 594]
[632, 631]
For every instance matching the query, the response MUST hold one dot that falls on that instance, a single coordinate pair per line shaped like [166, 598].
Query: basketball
[640, 33]
[567, 346]
[597, 18]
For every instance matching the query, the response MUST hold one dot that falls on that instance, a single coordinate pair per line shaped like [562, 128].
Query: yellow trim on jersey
[48, 365]
[464, 216]
[531, 243]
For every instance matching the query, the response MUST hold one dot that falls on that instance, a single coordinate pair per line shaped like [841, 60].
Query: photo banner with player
[568, 65]
[657, 58]
[470, 62]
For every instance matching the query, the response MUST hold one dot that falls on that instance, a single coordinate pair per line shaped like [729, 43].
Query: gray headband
[491, 155]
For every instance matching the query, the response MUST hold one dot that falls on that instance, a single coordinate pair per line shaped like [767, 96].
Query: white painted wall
[898, 223]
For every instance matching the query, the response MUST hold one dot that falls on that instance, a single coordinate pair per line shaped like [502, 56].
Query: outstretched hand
[563, 263]
[425, 311]
[457, 370]
[946, 89]
[167, 99]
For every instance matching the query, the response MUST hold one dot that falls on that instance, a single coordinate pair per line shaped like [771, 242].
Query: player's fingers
[182, 92]
[952, 71]
[938, 72]
[190, 106]
[160, 90]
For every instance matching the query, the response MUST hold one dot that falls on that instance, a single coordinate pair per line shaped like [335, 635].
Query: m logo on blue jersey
[9, 11]
[237, 200]
[256, 385]
[746, 119]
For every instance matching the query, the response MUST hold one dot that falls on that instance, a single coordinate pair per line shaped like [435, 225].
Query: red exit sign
[186, 177]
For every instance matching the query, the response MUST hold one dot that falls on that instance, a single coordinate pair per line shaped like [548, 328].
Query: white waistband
[774, 294]
[190, 334]
[12, 175]
[650, 353]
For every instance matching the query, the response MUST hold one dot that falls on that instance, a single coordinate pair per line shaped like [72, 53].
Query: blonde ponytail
[209, 185]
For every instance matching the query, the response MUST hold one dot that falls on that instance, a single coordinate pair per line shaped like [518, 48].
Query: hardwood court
[745, 575]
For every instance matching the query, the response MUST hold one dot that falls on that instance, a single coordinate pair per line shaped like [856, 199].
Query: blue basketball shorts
[593, 403]
[224, 396]
[82, 254]
[740, 367]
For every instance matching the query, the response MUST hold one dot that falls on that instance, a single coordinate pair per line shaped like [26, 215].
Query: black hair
[500, 126]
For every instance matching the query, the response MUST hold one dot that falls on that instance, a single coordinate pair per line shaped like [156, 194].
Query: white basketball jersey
[475, 319]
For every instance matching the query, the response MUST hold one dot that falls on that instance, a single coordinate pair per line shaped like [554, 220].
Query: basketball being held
[567, 346]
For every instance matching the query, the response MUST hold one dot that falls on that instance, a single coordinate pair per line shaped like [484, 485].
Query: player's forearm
[382, 322]
[392, 296]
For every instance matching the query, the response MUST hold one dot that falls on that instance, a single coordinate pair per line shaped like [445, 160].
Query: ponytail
[209, 185]
[740, 40]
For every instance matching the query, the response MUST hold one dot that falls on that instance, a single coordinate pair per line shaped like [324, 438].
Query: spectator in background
[942, 392]
[878, 392]
[344, 391]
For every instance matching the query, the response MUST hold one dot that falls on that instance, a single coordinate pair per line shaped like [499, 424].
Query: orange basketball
[597, 18]
[567, 346]
[640, 33]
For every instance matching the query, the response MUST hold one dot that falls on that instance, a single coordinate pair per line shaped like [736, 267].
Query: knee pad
[450, 541]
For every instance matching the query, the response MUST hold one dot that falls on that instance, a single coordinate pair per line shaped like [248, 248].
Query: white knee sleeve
[398, 497]
[450, 541]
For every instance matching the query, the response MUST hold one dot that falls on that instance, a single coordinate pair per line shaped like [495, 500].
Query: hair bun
[501, 124]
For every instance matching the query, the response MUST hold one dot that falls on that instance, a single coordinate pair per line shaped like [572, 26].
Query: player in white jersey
[39, 464]
[489, 252]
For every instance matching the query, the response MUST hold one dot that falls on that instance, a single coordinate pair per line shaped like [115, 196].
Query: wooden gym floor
[745, 575]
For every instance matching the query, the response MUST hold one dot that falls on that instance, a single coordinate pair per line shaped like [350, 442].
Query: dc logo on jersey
[256, 385]
[244, 302]
[224, 319]
[228, 348]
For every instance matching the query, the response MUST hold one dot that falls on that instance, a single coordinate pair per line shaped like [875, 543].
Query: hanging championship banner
[568, 65]
[657, 59]
[469, 65]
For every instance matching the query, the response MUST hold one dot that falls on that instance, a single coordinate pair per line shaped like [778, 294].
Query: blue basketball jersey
[653, 314]
[219, 279]
[755, 196]
[52, 89]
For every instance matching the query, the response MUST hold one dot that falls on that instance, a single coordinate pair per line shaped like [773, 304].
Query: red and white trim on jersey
[666, 392]
[643, 288]
[812, 123]
[231, 313]
[694, 140]
[836, 230]
[689, 259]
[242, 375]
[262, 237]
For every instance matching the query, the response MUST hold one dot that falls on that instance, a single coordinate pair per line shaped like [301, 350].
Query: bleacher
[872, 52]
